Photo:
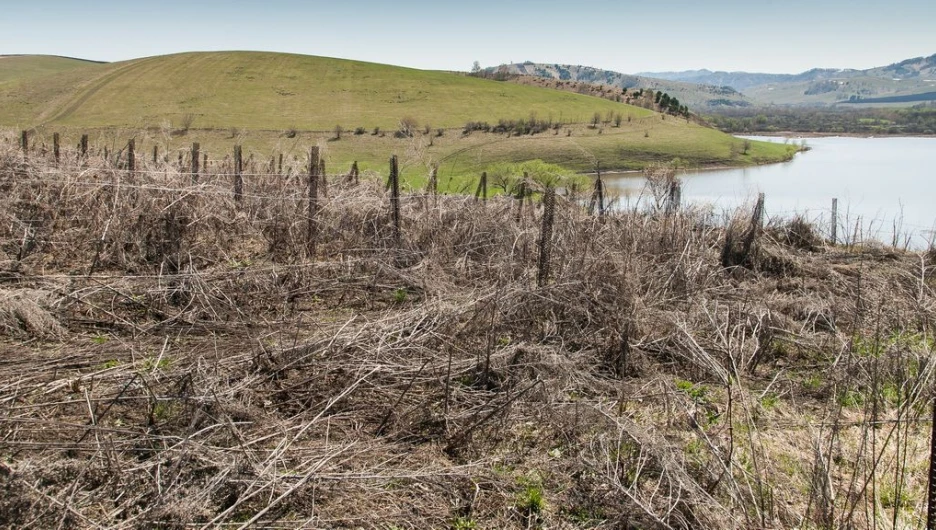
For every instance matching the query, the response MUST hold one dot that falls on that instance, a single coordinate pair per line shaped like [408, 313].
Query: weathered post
[481, 192]
[195, 148]
[674, 197]
[238, 177]
[931, 486]
[395, 198]
[324, 177]
[433, 180]
[24, 142]
[131, 155]
[56, 147]
[280, 170]
[83, 146]
[545, 239]
[204, 166]
[597, 198]
[834, 228]
[312, 228]
[155, 154]
[521, 193]
[355, 173]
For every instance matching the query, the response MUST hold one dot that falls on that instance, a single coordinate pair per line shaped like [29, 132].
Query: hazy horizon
[723, 35]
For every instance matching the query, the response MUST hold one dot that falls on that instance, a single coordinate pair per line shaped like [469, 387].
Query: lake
[883, 185]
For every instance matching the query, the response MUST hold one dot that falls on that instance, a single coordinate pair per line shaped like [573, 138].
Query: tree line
[915, 120]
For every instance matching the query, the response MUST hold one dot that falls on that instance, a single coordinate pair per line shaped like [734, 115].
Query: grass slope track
[275, 91]
[28, 67]
[253, 98]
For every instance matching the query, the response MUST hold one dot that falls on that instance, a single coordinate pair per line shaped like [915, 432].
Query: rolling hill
[909, 80]
[27, 67]
[285, 102]
[256, 90]
[693, 94]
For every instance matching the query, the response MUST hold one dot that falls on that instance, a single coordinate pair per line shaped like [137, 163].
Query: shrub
[476, 126]
[407, 127]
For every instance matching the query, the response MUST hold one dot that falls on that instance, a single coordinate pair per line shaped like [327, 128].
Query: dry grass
[175, 359]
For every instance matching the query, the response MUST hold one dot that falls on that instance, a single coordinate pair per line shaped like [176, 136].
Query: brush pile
[172, 357]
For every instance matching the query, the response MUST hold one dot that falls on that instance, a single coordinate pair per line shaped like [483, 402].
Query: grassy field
[26, 67]
[457, 156]
[279, 103]
[278, 91]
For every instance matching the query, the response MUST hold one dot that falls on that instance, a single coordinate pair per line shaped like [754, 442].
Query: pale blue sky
[786, 36]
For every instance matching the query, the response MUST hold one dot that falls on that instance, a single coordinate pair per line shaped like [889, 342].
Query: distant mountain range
[907, 82]
[694, 95]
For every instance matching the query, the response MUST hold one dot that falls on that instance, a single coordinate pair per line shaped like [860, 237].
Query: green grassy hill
[28, 67]
[276, 91]
[260, 99]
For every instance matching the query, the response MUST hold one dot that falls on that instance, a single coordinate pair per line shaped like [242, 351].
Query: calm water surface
[882, 185]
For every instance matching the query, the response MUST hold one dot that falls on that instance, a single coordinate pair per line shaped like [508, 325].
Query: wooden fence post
[673, 197]
[280, 171]
[355, 173]
[131, 155]
[24, 142]
[56, 147]
[312, 228]
[482, 187]
[834, 227]
[597, 198]
[521, 193]
[155, 154]
[238, 178]
[195, 148]
[545, 239]
[324, 175]
[395, 198]
[433, 180]
[931, 483]
[83, 146]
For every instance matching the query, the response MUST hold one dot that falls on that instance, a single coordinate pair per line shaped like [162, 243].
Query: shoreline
[796, 135]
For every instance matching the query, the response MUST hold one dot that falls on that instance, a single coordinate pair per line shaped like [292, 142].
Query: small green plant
[399, 295]
[531, 499]
[851, 399]
[891, 498]
[696, 392]
[891, 394]
[769, 400]
[694, 447]
[812, 382]
[162, 410]
[463, 523]
[151, 363]
[99, 339]
[111, 363]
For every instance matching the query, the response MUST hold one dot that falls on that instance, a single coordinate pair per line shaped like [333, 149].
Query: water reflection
[884, 186]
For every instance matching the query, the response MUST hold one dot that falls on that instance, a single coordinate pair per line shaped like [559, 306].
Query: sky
[788, 36]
